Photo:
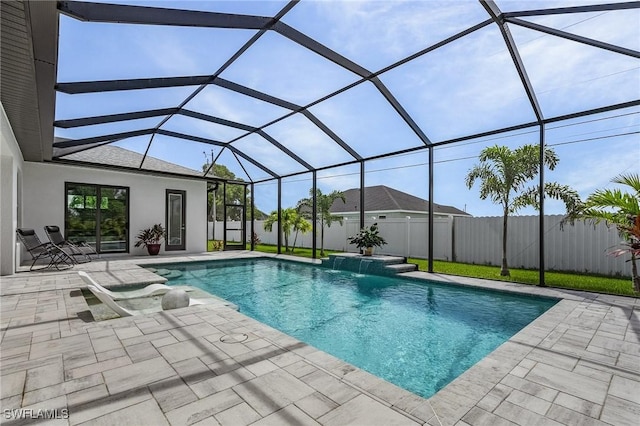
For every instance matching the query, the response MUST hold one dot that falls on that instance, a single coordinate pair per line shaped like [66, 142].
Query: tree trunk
[504, 270]
[322, 238]
[634, 273]
[293, 246]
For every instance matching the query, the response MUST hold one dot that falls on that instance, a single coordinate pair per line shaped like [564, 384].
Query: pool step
[377, 265]
[403, 267]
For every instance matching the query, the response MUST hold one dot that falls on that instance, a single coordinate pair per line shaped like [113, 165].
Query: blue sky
[466, 87]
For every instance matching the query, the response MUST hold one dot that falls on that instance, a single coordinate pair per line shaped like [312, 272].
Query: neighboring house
[383, 202]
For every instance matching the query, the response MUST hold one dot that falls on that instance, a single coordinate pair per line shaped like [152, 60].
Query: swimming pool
[417, 334]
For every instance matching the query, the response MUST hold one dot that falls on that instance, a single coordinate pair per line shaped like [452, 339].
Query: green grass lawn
[526, 276]
[573, 281]
[298, 251]
[268, 248]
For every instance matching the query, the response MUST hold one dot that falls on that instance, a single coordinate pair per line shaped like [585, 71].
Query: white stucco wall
[11, 165]
[44, 200]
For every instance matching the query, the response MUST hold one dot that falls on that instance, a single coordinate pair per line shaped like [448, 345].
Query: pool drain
[234, 338]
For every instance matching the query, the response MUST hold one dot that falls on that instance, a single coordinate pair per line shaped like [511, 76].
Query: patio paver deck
[578, 364]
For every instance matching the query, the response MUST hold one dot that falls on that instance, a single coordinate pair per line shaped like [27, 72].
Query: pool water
[417, 334]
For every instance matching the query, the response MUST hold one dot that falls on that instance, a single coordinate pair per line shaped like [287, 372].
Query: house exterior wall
[44, 200]
[11, 165]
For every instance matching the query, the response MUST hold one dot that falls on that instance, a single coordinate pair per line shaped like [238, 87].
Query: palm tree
[300, 225]
[503, 174]
[291, 221]
[323, 209]
[620, 209]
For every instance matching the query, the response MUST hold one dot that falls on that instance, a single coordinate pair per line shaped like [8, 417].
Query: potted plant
[151, 238]
[367, 239]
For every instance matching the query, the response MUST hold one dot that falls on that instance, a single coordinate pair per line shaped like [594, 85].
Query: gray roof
[114, 155]
[383, 198]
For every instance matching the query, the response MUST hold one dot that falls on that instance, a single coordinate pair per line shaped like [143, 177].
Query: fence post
[452, 220]
[346, 233]
[407, 220]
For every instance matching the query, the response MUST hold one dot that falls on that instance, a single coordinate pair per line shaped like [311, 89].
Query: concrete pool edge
[469, 394]
[470, 390]
[512, 383]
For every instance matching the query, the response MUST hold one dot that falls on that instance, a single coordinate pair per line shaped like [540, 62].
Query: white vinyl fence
[580, 248]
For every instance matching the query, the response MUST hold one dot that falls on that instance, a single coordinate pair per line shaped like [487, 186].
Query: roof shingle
[384, 198]
[114, 155]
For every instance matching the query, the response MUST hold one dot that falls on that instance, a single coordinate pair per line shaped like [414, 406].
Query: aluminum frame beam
[153, 113]
[217, 120]
[238, 88]
[193, 114]
[241, 165]
[284, 149]
[559, 118]
[159, 16]
[496, 14]
[251, 129]
[331, 134]
[331, 55]
[103, 138]
[79, 87]
[541, 229]
[134, 84]
[99, 12]
[112, 118]
[574, 9]
[400, 110]
[247, 91]
[574, 37]
[178, 135]
[320, 49]
[59, 153]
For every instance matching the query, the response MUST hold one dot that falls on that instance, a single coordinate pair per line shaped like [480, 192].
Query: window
[98, 215]
[176, 209]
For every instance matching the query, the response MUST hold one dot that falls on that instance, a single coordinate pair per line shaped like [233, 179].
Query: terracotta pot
[153, 249]
[368, 251]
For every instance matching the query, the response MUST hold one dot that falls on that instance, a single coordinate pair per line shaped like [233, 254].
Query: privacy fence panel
[478, 240]
[582, 247]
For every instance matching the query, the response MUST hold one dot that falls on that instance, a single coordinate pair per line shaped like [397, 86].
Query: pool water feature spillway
[375, 265]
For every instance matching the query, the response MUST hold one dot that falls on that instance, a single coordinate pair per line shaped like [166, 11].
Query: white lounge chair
[123, 312]
[148, 291]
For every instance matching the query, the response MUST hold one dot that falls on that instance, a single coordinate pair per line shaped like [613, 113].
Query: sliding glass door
[98, 215]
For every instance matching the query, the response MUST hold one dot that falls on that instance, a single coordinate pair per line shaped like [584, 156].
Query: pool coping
[586, 338]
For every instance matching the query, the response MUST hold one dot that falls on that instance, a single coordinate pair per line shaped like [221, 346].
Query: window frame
[99, 188]
[183, 194]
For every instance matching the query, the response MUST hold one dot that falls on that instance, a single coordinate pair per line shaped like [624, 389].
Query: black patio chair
[46, 251]
[80, 251]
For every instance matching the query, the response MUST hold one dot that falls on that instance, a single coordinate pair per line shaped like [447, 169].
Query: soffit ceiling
[28, 51]
[262, 85]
